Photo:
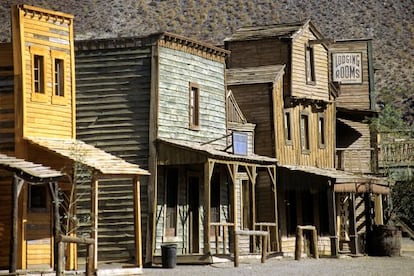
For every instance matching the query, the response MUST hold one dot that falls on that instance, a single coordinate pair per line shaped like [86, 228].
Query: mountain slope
[389, 23]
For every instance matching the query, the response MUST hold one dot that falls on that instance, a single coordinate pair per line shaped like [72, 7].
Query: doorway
[193, 213]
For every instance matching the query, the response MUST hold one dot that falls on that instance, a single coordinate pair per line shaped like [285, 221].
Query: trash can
[169, 255]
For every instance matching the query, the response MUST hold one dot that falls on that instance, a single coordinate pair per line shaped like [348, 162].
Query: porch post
[94, 221]
[332, 218]
[56, 224]
[137, 222]
[354, 233]
[208, 170]
[17, 183]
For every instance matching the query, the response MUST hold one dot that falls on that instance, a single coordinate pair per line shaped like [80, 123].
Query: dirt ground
[364, 265]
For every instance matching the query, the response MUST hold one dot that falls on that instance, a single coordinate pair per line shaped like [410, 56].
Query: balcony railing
[398, 153]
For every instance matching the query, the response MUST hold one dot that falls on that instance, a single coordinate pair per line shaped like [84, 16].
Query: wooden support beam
[332, 219]
[54, 191]
[17, 184]
[299, 241]
[262, 234]
[137, 222]
[94, 222]
[208, 171]
[352, 226]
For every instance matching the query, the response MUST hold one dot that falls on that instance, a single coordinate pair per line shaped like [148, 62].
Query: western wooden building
[38, 130]
[160, 101]
[279, 75]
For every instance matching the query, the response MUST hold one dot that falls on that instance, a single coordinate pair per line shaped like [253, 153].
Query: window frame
[194, 106]
[36, 51]
[310, 69]
[287, 126]
[37, 209]
[59, 99]
[321, 130]
[304, 133]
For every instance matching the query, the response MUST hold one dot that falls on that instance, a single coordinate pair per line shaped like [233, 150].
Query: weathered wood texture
[176, 70]
[6, 99]
[6, 179]
[48, 34]
[299, 86]
[354, 150]
[113, 90]
[358, 95]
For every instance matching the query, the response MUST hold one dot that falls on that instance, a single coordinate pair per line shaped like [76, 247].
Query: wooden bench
[237, 233]
[299, 240]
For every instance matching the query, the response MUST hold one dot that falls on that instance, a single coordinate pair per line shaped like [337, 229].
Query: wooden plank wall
[6, 99]
[255, 101]
[44, 117]
[354, 137]
[354, 96]
[5, 217]
[300, 88]
[113, 91]
[176, 70]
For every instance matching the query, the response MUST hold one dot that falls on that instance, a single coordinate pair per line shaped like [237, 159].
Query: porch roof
[346, 181]
[254, 75]
[28, 171]
[210, 151]
[88, 155]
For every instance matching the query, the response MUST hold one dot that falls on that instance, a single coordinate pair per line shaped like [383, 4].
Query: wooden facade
[296, 118]
[38, 124]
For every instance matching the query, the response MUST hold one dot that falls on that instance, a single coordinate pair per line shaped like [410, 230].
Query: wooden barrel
[384, 240]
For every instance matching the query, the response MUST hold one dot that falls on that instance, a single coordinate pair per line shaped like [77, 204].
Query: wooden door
[38, 228]
[193, 210]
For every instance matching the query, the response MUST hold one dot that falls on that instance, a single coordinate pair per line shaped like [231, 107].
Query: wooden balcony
[397, 153]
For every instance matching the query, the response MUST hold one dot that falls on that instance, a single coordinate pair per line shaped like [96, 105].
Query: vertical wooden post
[236, 249]
[332, 219]
[208, 170]
[137, 223]
[224, 239]
[60, 266]
[315, 243]
[15, 213]
[253, 181]
[56, 223]
[94, 221]
[352, 226]
[264, 248]
[298, 243]
[89, 260]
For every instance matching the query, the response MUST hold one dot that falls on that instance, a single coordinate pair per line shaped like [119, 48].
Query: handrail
[217, 226]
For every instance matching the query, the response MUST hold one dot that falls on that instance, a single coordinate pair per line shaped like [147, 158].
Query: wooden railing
[396, 154]
[358, 160]
[267, 226]
[224, 229]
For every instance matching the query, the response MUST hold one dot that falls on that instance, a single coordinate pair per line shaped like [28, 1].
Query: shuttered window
[194, 106]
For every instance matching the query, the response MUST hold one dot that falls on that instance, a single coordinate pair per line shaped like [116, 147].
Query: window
[304, 132]
[37, 198]
[59, 84]
[38, 74]
[171, 203]
[321, 130]
[194, 106]
[215, 198]
[310, 64]
[288, 127]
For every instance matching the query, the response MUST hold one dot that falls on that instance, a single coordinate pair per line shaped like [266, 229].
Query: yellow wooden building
[37, 100]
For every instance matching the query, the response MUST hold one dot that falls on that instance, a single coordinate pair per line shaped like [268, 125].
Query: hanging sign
[347, 68]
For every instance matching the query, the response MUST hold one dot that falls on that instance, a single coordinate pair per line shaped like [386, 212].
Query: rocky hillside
[389, 22]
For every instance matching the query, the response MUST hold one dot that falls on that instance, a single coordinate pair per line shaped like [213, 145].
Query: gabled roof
[27, 170]
[88, 155]
[281, 31]
[254, 75]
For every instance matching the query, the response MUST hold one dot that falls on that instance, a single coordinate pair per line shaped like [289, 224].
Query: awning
[88, 155]
[28, 171]
[210, 151]
[347, 181]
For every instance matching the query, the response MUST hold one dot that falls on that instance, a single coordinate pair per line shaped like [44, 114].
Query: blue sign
[240, 142]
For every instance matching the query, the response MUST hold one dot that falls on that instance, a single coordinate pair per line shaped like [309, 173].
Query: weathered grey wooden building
[160, 101]
[294, 110]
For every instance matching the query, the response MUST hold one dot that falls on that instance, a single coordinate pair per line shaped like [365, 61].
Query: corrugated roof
[338, 175]
[212, 152]
[88, 155]
[28, 170]
[254, 75]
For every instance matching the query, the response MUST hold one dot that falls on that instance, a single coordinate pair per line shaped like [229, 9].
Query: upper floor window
[304, 133]
[288, 127]
[37, 198]
[310, 64]
[38, 74]
[321, 130]
[194, 106]
[59, 83]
